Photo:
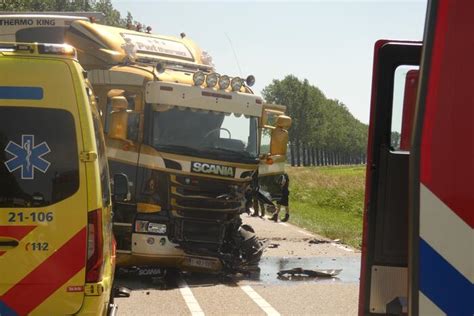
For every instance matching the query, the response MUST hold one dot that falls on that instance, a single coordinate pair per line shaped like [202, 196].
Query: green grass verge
[328, 201]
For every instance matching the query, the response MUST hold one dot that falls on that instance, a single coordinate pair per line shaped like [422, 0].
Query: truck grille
[193, 193]
[203, 232]
[202, 207]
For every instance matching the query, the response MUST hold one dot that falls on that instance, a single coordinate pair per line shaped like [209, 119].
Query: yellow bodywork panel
[46, 190]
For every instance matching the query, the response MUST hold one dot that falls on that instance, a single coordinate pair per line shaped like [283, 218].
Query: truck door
[384, 269]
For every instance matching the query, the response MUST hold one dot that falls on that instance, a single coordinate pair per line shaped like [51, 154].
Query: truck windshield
[196, 132]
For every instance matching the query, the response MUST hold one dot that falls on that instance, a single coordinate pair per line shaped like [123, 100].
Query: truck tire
[251, 249]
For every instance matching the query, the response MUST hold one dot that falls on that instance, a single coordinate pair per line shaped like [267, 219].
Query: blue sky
[330, 43]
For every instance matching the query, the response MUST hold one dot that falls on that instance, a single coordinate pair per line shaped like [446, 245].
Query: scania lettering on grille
[209, 168]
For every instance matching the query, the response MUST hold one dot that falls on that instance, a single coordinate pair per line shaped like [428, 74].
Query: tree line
[111, 15]
[323, 131]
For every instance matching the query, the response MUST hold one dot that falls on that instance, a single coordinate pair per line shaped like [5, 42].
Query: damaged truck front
[183, 146]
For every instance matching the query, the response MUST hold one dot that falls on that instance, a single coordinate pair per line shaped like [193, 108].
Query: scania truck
[183, 147]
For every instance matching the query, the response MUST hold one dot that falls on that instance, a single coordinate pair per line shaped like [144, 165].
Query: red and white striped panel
[446, 243]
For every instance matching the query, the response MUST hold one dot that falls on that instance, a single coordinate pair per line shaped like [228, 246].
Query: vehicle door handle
[8, 243]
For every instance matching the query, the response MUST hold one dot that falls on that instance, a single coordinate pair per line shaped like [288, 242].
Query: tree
[395, 140]
[323, 130]
[112, 16]
[299, 98]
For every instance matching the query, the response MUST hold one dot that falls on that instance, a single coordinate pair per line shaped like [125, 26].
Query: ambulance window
[38, 156]
[41, 34]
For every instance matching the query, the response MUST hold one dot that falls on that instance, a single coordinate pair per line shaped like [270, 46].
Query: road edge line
[260, 301]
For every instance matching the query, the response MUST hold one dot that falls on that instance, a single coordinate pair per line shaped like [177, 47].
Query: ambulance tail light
[95, 244]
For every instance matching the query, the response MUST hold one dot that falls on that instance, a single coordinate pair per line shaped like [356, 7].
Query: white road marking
[342, 247]
[333, 243]
[305, 233]
[189, 298]
[284, 224]
[260, 301]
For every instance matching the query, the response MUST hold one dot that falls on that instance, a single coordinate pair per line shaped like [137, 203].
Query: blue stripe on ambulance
[21, 93]
[443, 284]
[6, 311]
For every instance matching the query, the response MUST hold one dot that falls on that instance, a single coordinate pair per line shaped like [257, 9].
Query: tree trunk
[298, 154]
[292, 153]
[305, 155]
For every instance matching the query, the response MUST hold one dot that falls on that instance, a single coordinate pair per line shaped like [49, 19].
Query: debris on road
[300, 273]
[273, 245]
[319, 241]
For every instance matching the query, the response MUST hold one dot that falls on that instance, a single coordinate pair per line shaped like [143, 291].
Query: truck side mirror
[121, 187]
[279, 135]
[119, 118]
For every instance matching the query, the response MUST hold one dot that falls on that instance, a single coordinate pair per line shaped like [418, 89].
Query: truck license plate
[201, 263]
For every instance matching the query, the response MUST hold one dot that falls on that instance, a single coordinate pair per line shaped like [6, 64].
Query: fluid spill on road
[270, 266]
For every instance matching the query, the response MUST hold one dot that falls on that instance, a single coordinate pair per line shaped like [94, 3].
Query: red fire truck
[418, 243]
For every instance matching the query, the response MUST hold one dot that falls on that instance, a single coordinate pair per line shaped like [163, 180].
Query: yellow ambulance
[57, 252]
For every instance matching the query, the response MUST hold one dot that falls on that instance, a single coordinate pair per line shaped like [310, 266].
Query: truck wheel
[251, 248]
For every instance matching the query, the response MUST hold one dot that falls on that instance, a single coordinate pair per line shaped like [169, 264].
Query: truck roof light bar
[236, 84]
[224, 82]
[250, 81]
[212, 79]
[198, 78]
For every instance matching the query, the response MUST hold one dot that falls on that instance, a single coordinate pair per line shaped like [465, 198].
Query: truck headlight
[211, 79]
[149, 227]
[156, 228]
[141, 226]
[250, 81]
[224, 82]
[199, 78]
[236, 84]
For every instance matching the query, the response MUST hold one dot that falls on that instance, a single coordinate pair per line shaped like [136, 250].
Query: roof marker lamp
[199, 77]
[211, 80]
[250, 81]
[236, 84]
[224, 82]
[57, 49]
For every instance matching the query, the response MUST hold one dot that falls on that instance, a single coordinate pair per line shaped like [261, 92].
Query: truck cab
[185, 141]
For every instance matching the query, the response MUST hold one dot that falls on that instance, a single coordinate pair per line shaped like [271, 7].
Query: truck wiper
[174, 148]
[227, 151]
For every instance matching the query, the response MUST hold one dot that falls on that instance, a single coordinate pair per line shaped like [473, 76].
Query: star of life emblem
[27, 157]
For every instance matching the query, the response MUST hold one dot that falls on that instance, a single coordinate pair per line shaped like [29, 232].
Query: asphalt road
[263, 294]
